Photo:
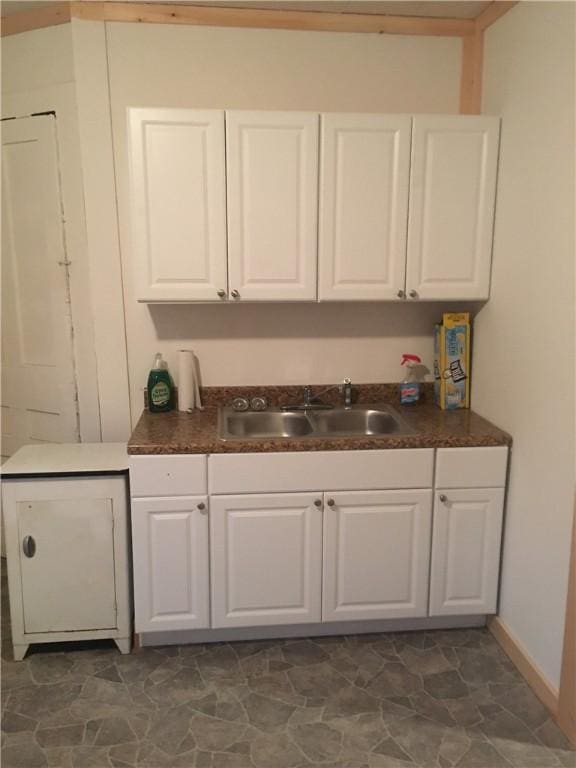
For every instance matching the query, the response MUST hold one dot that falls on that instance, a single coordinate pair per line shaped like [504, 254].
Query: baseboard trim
[191, 636]
[524, 663]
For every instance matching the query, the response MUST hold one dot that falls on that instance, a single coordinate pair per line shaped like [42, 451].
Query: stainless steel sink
[358, 421]
[247, 424]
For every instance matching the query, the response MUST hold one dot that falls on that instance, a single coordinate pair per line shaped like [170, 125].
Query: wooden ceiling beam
[312, 21]
[162, 13]
[50, 16]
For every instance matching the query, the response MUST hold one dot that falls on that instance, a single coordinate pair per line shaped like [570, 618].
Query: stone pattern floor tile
[442, 699]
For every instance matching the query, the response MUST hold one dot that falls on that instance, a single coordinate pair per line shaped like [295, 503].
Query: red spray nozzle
[410, 359]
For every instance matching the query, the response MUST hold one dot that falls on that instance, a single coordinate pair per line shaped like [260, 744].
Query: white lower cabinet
[376, 554]
[256, 540]
[266, 559]
[171, 563]
[466, 551]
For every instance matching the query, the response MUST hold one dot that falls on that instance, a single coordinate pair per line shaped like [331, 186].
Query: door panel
[266, 559]
[272, 182]
[39, 395]
[178, 203]
[171, 579]
[452, 195]
[69, 582]
[376, 554]
[365, 167]
[466, 551]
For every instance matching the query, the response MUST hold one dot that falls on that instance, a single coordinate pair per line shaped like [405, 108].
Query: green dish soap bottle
[160, 387]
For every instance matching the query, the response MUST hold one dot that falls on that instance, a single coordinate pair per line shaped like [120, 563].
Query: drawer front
[334, 470]
[471, 467]
[167, 475]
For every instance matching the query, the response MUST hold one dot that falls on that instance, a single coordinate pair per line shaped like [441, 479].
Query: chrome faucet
[312, 402]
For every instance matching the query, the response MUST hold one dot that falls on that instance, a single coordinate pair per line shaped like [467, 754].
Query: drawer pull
[29, 546]
[318, 502]
[330, 502]
[443, 498]
[201, 506]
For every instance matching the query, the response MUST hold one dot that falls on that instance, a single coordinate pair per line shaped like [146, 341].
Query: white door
[170, 551]
[178, 194]
[376, 554]
[266, 561]
[68, 581]
[364, 174]
[272, 181]
[39, 395]
[452, 196]
[466, 551]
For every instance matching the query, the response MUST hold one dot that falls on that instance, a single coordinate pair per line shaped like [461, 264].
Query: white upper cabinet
[452, 194]
[241, 205]
[178, 190]
[364, 176]
[272, 183]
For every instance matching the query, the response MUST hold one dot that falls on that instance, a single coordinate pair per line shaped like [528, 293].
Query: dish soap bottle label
[160, 395]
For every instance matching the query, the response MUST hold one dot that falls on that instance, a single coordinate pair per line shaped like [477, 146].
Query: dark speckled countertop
[175, 432]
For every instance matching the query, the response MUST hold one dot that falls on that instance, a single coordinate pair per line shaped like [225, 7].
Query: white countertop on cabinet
[67, 459]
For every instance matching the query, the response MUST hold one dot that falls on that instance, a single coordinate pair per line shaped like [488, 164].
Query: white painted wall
[174, 66]
[524, 337]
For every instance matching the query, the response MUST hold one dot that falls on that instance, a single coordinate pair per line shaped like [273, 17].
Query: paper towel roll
[187, 384]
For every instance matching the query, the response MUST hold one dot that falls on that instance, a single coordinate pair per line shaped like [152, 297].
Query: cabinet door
[365, 164]
[272, 181]
[376, 554]
[466, 551]
[266, 559]
[171, 554]
[452, 194]
[68, 576]
[177, 159]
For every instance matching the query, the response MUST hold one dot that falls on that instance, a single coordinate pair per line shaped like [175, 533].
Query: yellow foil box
[452, 361]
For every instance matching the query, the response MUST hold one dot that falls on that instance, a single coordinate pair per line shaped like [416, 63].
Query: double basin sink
[356, 421]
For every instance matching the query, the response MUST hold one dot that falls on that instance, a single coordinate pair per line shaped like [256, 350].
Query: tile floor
[431, 699]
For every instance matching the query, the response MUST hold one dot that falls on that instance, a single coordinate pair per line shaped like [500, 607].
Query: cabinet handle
[318, 502]
[401, 294]
[201, 506]
[331, 502]
[443, 498]
[29, 546]
[413, 294]
[221, 292]
[235, 294]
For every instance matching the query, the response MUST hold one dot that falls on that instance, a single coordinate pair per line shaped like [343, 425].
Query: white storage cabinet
[268, 549]
[303, 538]
[466, 541]
[243, 205]
[170, 542]
[65, 513]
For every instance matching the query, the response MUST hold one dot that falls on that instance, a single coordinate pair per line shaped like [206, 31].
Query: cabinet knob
[443, 498]
[318, 502]
[221, 292]
[29, 546]
[331, 502]
[201, 506]
[413, 294]
[401, 294]
[235, 294]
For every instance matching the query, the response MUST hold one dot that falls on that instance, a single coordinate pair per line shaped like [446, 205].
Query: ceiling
[455, 9]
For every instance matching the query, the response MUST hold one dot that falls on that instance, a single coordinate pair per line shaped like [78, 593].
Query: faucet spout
[346, 389]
